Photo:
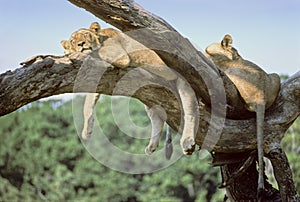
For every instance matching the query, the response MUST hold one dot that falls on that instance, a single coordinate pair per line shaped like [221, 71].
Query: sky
[266, 32]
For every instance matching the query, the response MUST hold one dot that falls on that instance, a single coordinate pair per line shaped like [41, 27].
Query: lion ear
[95, 27]
[227, 41]
[65, 44]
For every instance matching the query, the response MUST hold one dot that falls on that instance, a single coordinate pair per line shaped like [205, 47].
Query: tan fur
[122, 51]
[257, 88]
[108, 33]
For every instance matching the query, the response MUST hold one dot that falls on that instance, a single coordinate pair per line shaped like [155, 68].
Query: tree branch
[51, 75]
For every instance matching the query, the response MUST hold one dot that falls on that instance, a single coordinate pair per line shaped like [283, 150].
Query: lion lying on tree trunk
[257, 88]
[122, 51]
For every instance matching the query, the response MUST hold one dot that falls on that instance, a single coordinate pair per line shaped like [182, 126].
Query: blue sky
[266, 32]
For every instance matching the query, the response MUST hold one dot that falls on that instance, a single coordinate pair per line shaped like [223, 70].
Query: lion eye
[72, 42]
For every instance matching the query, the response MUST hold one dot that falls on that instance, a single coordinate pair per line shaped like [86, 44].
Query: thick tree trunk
[246, 192]
[44, 76]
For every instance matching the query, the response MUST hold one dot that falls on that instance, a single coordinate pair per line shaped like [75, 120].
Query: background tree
[60, 168]
[49, 75]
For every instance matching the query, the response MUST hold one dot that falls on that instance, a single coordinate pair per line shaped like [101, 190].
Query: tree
[231, 145]
[60, 168]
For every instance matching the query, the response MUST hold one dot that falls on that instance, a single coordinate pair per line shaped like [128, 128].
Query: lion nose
[81, 43]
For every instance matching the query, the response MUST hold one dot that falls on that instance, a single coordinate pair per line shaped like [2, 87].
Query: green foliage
[291, 144]
[42, 158]
[284, 77]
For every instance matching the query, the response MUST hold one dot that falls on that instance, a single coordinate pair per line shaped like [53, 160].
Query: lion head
[82, 40]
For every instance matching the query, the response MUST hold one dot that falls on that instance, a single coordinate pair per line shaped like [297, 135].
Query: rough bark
[246, 192]
[66, 74]
[44, 76]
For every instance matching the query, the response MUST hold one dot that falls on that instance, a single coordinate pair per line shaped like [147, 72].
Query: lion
[257, 88]
[122, 52]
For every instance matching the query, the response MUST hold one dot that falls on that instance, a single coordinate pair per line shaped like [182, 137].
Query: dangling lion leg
[190, 111]
[88, 114]
[157, 117]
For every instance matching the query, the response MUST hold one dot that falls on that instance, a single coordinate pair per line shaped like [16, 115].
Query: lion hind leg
[190, 111]
[157, 117]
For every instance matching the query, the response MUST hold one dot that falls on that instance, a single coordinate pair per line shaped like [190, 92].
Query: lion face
[83, 40]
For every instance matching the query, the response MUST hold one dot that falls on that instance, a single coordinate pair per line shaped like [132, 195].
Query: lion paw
[188, 145]
[150, 149]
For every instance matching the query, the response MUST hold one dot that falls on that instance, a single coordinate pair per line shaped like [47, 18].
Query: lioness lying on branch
[257, 88]
[122, 51]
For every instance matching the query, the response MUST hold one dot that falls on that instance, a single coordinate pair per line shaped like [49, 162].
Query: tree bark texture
[43, 76]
